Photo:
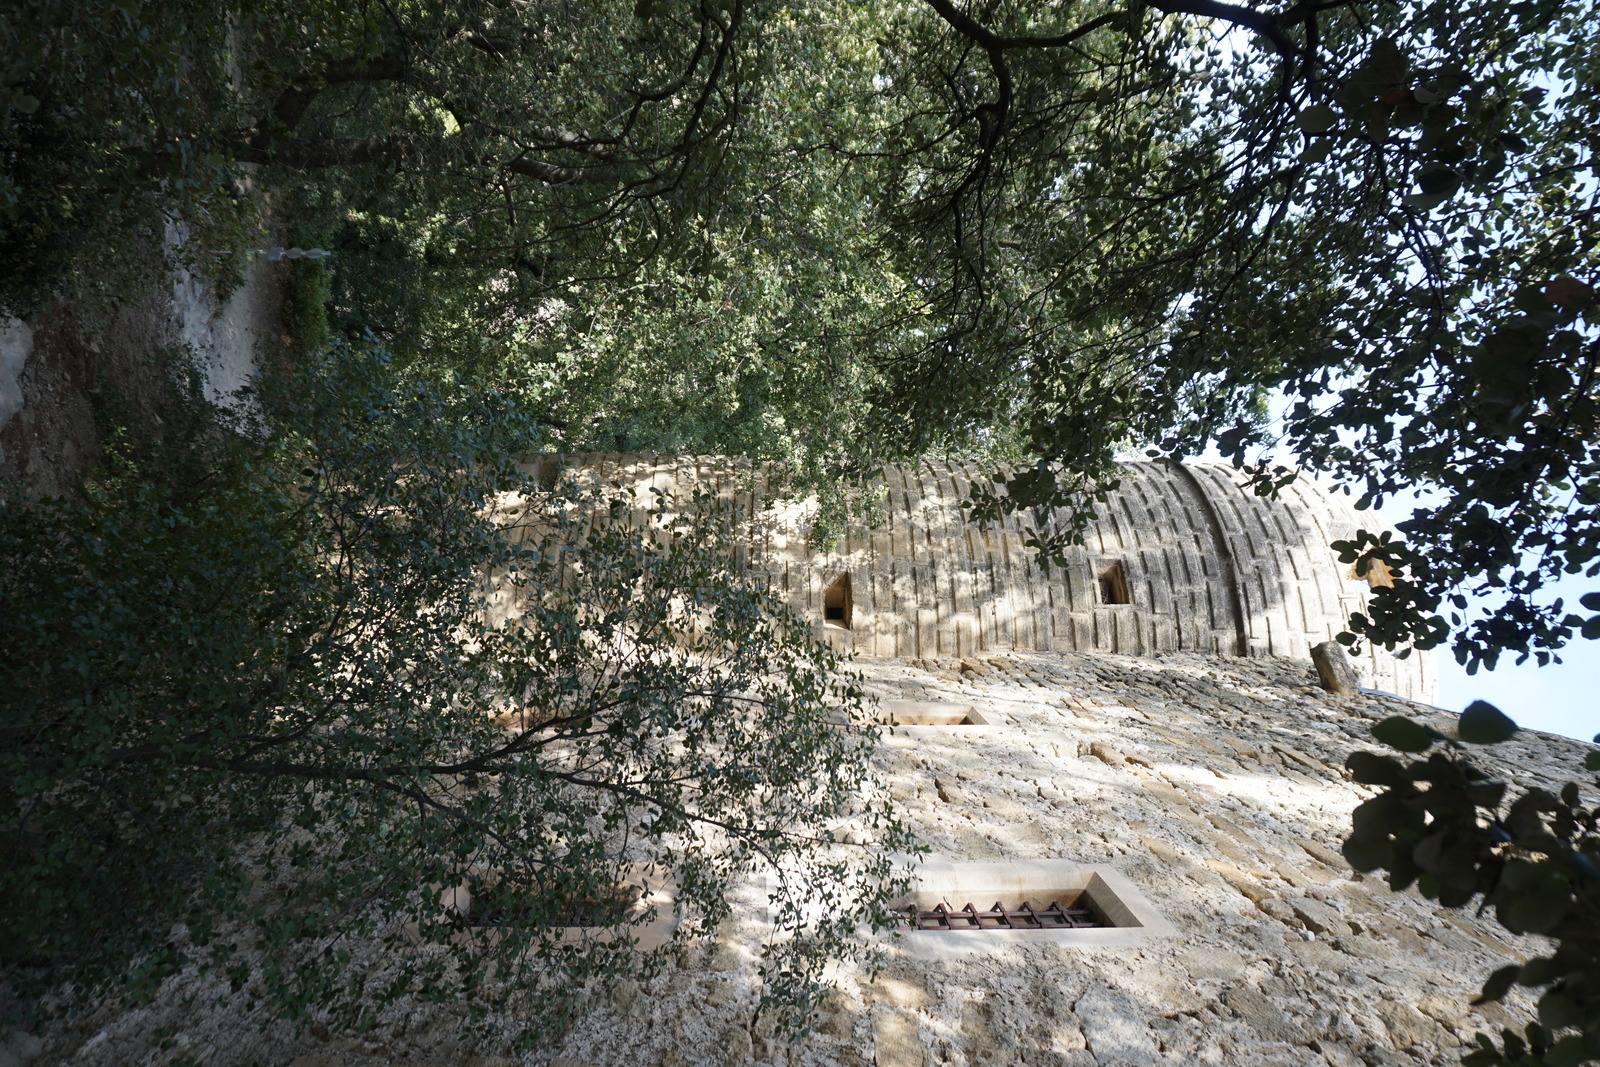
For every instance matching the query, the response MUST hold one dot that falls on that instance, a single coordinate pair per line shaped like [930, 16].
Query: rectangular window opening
[836, 602]
[1113, 585]
[933, 713]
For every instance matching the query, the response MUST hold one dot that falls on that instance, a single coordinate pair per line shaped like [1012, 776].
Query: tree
[1445, 826]
[287, 692]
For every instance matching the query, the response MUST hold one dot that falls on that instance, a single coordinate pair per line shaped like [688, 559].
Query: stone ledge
[1135, 920]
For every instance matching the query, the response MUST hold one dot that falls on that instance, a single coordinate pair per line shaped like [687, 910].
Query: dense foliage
[1444, 825]
[289, 691]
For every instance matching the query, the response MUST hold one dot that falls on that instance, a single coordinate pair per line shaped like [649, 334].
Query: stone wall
[1213, 784]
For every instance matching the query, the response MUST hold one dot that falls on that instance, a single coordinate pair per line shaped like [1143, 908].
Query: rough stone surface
[1181, 557]
[1114, 1027]
[1333, 665]
[894, 1040]
[1284, 957]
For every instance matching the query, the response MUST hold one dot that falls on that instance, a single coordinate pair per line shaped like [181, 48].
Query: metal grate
[1024, 917]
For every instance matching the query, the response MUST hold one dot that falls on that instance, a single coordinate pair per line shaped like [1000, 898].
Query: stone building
[1180, 558]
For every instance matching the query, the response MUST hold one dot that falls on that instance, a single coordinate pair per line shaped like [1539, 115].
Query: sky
[1559, 698]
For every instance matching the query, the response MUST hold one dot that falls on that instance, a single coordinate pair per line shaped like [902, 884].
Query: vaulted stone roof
[1181, 558]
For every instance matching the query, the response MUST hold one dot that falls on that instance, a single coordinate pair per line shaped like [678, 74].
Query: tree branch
[1252, 20]
[981, 35]
[293, 102]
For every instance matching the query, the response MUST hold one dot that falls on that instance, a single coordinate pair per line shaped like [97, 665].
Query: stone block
[895, 1042]
[1320, 918]
[1264, 1017]
[902, 992]
[1334, 668]
[1248, 887]
[1114, 1028]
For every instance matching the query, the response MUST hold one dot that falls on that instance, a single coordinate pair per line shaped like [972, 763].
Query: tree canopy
[291, 693]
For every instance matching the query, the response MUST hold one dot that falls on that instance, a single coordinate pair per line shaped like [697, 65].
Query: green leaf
[1439, 180]
[1364, 855]
[1498, 984]
[1590, 601]
[1484, 724]
[1402, 733]
[1318, 118]
[1541, 970]
[1425, 201]
[1369, 768]
[1540, 910]
[1317, 151]
[1572, 1050]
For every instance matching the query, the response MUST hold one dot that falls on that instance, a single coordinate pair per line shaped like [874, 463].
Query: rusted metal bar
[943, 917]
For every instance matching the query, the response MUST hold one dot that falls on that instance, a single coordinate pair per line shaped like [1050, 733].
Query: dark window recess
[1113, 586]
[836, 606]
[1055, 916]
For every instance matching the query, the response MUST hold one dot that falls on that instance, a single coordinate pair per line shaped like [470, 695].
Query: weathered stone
[1212, 964]
[1317, 955]
[1003, 808]
[1222, 844]
[1170, 994]
[1066, 1030]
[1338, 1054]
[901, 991]
[1233, 830]
[1114, 1028]
[895, 1040]
[1374, 1054]
[1453, 939]
[725, 956]
[1304, 759]
[835, 1018]
[1447, 1013]
[1166, 855]
[984, 1041]
[1248, 887]
[737, 1047]
[1334, 668]
[1324, 855]
[1364, 948]
[1057, 1057]
[1319, 917]
[1106, 753]
[1263, 1016]
[1406, 1024]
